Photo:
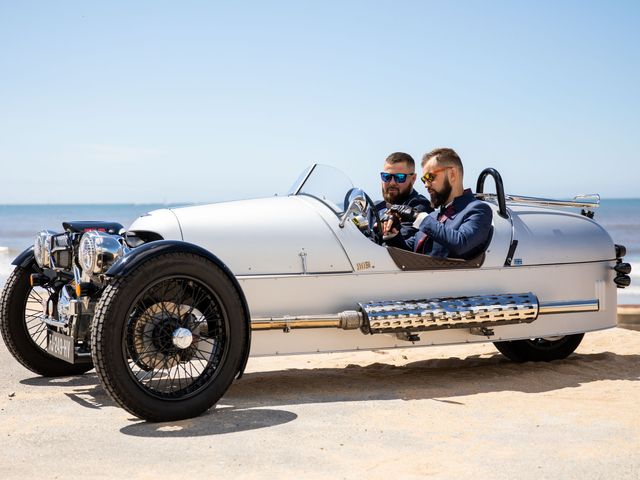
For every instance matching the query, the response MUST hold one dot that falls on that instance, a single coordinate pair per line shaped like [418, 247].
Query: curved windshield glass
[325, 183]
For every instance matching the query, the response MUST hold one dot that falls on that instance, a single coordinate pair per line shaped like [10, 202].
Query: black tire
[24, 334]
[540, 349]
[133, 337]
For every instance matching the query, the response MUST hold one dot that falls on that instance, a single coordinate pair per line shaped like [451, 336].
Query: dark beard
[398, 199]
[439, 198]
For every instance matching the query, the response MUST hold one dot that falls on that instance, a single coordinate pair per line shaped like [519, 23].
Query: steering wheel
[353, 204]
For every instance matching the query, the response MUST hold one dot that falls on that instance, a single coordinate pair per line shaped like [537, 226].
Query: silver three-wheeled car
[169, 310]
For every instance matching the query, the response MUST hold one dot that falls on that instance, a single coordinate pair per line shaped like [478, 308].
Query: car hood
[277, 235]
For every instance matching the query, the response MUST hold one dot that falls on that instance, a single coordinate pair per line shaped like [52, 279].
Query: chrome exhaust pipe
[432, 314]
[576, 306]
[347, 320]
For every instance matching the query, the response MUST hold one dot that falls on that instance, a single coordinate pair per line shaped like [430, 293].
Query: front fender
[25, 259]
[140, 254]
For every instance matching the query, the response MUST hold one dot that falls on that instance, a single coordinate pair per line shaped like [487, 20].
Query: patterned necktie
[444, 216]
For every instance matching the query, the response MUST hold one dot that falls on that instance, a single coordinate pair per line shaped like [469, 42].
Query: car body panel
[264, 236]
[162, 221]
[548, 236]
[320, 294]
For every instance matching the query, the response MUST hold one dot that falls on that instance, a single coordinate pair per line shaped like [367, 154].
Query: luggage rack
[588, 203]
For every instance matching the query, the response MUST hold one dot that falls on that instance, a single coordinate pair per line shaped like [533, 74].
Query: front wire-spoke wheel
[176, 337]
[22, 308]
[168, 338]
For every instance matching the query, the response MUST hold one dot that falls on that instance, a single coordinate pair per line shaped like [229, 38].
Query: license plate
[60, 346]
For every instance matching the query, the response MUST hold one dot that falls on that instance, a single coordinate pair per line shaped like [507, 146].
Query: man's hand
[404, 212]
[390, 224]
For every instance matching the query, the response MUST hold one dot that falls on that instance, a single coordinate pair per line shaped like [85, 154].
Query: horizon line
[176, 203]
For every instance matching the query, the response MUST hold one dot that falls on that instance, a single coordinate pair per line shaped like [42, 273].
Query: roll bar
[502, 203]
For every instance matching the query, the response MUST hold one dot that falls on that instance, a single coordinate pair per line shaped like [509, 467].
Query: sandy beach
[438, 412]
[452, 412]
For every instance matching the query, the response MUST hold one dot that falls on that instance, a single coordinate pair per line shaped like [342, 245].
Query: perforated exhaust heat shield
[444, 313]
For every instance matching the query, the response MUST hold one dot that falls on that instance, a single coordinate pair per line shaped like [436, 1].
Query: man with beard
[398, 176]
[462, 225]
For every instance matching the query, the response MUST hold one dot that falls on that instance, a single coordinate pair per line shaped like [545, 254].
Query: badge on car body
[363, 265]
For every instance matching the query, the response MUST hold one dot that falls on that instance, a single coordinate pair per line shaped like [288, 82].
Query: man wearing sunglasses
[398, 176]
[460, 228]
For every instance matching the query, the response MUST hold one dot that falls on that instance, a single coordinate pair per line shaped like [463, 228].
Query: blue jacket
[464, 234]
[414, 200]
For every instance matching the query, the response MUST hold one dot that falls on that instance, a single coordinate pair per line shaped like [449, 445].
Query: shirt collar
[458, 201]
[412, 195]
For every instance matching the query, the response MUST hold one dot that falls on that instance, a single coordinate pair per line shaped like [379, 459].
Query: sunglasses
[431, 176]
[399, 177]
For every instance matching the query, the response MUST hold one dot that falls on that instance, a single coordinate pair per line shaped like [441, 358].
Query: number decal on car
[363, 265]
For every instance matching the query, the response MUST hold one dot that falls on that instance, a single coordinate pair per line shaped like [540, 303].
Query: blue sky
[106, 102]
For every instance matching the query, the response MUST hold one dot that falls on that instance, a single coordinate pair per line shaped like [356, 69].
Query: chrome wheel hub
[182, 338]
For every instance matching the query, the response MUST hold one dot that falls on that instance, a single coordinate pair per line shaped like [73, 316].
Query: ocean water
[621, 218]
[20, 223]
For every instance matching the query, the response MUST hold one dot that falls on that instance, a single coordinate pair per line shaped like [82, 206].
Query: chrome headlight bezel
[98, 251]
[42, 248]
[87, 255]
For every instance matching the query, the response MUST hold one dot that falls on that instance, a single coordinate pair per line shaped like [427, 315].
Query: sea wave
[5, 264]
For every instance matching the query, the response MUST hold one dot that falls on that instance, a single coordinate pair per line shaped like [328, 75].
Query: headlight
[41, 248]
[87, 252]
[99, 250]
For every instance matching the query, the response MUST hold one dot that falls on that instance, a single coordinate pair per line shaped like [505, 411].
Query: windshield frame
[337, 207]
[301, 180]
